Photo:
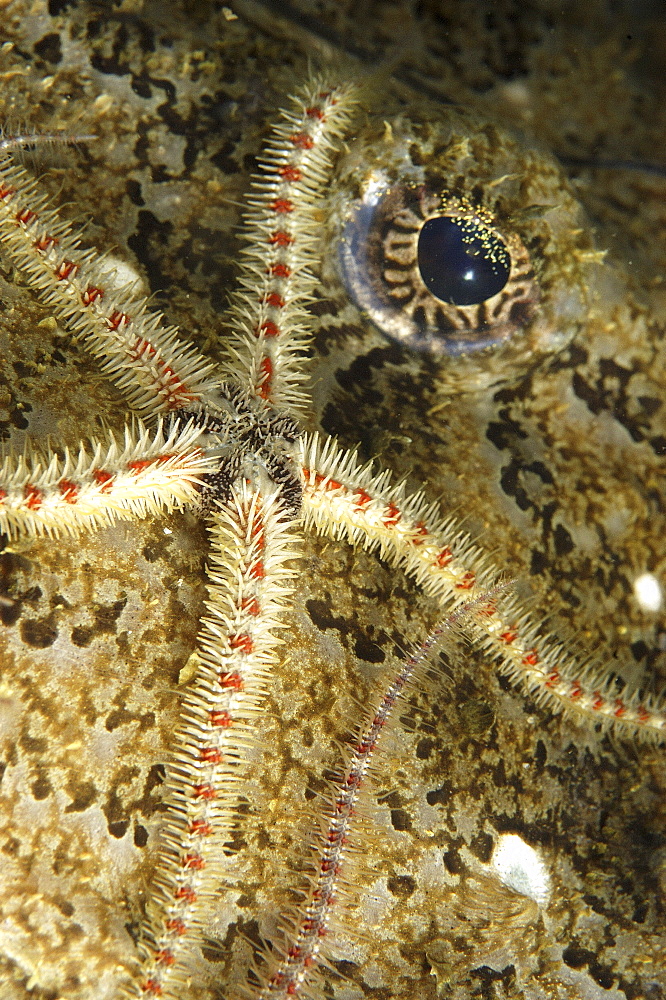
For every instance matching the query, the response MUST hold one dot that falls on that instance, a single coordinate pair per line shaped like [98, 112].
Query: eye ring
[383, 264]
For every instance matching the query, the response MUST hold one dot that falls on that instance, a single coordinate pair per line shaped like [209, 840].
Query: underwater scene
[332, 500]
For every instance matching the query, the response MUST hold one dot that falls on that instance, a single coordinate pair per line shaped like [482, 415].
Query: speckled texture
[559, 471]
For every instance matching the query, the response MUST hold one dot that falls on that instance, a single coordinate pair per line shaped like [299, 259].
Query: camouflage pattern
[555, 464]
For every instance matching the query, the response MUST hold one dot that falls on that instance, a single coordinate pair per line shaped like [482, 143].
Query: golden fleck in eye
[460, 242]
[436, 272]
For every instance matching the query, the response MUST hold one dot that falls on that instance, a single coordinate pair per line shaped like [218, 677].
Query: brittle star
[236, 437]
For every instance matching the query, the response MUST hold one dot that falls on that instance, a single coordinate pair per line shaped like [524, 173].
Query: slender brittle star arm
[155, 370]
[301, 956]
[269, 318]
[344, 499]
[44, 493]
[251, 576]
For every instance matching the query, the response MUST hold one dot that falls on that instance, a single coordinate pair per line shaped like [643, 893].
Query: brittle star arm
[43, 493]
[139, 352]
[251, 577]
[146, 359]
[270, 322]
[343, 499]
[301, 955]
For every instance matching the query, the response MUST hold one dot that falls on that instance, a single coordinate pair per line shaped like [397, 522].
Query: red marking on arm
[231, 680]
[164, 957]
[45, 243]
[620, 708]
[392, 517]
[509, 636]
[270, 328]
[152, 986]
[118, 319]
[91, 294]
[420, 532]
[275, 299]
[26, 216]
[176, 926]
[174, 391]
[576, 691]
[202, 829]
[140, 465]
[282, 206]
[324, 481]
[66, 269]
[443, 558]
[6, 191]
[467, 582]
[266, 368]
[140, 346]
[193, 862]
[553, 679]
[103, 479]
[187, 893]
[315, 113]
[257, 570]
[531, 658]
[33, 497]
[257, 533]
[290, 173]
[281, 239]
[220, 718]
[68, 490]
[205, 792]
[211, 755]
[251, 605]
[642, 713]
[302, 140]
[242, 642]
[280, 271]
[361, 498]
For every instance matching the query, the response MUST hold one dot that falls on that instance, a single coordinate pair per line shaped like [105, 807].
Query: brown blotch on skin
[82, 794]
[39, 634]
[41, 787]
[401, 886]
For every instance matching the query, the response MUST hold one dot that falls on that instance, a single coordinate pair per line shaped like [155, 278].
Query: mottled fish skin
[555, 463]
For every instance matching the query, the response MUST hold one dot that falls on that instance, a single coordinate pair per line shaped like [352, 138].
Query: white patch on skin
[648, 592]
[521, 868]
[120, 274]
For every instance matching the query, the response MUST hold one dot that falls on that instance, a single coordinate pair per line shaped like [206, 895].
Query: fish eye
[461, 244]
[434, 271]
[461, 260]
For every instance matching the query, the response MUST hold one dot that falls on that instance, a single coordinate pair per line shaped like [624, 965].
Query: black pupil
[462, 261]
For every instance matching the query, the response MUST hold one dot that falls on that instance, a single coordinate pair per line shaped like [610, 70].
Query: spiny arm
[268, 313]
[343, 499]
[140, 353]
[146, 472]
[300, 957]
[251, 576]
